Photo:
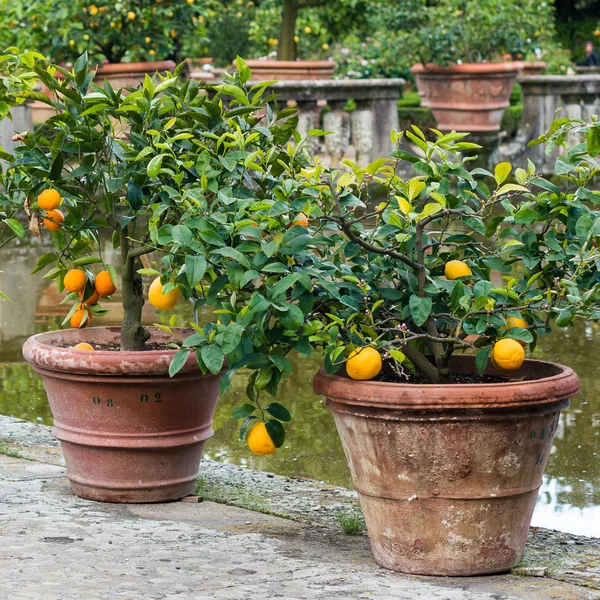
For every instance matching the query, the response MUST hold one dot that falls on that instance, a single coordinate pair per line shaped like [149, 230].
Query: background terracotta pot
[129, 432]
[532, 67]
[448, 475]
[468, 97]
[290, 70]
[130, 74]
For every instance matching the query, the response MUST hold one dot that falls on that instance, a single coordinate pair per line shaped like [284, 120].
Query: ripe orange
[104, 284]
[457, 268]
[48, 199]
[77, 318]
[301, 219]
[507, 355]
[84, 346]
[259, 440]
[363, 364]
[93, 299]
[75, 280]
[53, 220]
[162, 301]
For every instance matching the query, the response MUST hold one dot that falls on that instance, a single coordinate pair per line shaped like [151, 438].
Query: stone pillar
[385, 118]
[308, 118]
[338, 122]
[363, 126]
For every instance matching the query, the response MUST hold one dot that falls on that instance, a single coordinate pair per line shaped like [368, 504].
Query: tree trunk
[133, 335]
[286, 47]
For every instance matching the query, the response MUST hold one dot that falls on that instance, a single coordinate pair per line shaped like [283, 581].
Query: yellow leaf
[502, 171]
[346, 180]
[415, 187]
[405, 206]
[438, 198]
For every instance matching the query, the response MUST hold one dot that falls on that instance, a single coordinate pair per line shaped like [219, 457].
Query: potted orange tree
[132, 408]
[459, 48]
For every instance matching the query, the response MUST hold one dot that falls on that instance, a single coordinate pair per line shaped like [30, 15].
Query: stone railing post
[21, 122]
[336, 120]
[575, 97]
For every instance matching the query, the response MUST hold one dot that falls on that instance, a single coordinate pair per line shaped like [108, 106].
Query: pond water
[569, 499]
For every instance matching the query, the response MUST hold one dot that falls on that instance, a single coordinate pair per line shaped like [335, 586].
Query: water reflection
[570, 497]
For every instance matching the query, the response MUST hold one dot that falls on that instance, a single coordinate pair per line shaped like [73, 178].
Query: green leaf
[566, 316]
[278, 411]
[234, 254]
[87, 260]
[281, 362]
[481, 359]
[276, 432]
[178, 361]
[155, 165]
[195, 267]
[502, 171]
[232, 336]
[593, 141]
[420, 308]
[18, 229]
[44, 261]
[243, 411]
[245, 425]
[213, 358]
[135, 196]
[182, 235]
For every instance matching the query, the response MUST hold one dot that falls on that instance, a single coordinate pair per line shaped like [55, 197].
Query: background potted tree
[132, 412]
[459, 47]
[288, 35]
[125, 40]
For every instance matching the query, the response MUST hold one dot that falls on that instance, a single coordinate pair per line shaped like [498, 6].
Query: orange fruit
[75, 280]
[93, 299]
[507, 355]
[259, 440]
[48, 199]
[301, 219]
[457, 268]
[53, 220]
[84, 346]
[162, 301]
[104, 284]
[77, 318]
[364, 364]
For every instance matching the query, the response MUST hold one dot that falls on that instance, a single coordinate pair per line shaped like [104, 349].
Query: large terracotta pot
[290, 70]
[129, 75]
[129, 432]
[468, 97]
[448, 475]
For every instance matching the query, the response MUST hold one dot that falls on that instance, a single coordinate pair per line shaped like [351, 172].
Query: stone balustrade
[362, 135]
[21, 121]
[575, 97]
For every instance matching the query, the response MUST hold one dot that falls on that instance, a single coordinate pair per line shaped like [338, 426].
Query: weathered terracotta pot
[196, 69]
[129, 432]
[290, 70]
[448, 475]
[468, 97]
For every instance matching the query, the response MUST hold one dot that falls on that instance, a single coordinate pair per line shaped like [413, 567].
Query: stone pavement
[55, 546]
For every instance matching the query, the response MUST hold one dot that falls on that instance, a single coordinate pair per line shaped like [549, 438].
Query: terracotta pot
[532, 67]
[196, 70]
[129, 432]
[290, 70]
[469, 97]
[448, 475]
[129, 75]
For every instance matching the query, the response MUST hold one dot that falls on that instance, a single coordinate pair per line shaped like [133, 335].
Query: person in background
[591, 58]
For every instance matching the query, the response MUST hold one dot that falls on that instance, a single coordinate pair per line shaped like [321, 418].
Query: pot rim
[507, 67]
[561, 384]
[292, 64]
[45, 356]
